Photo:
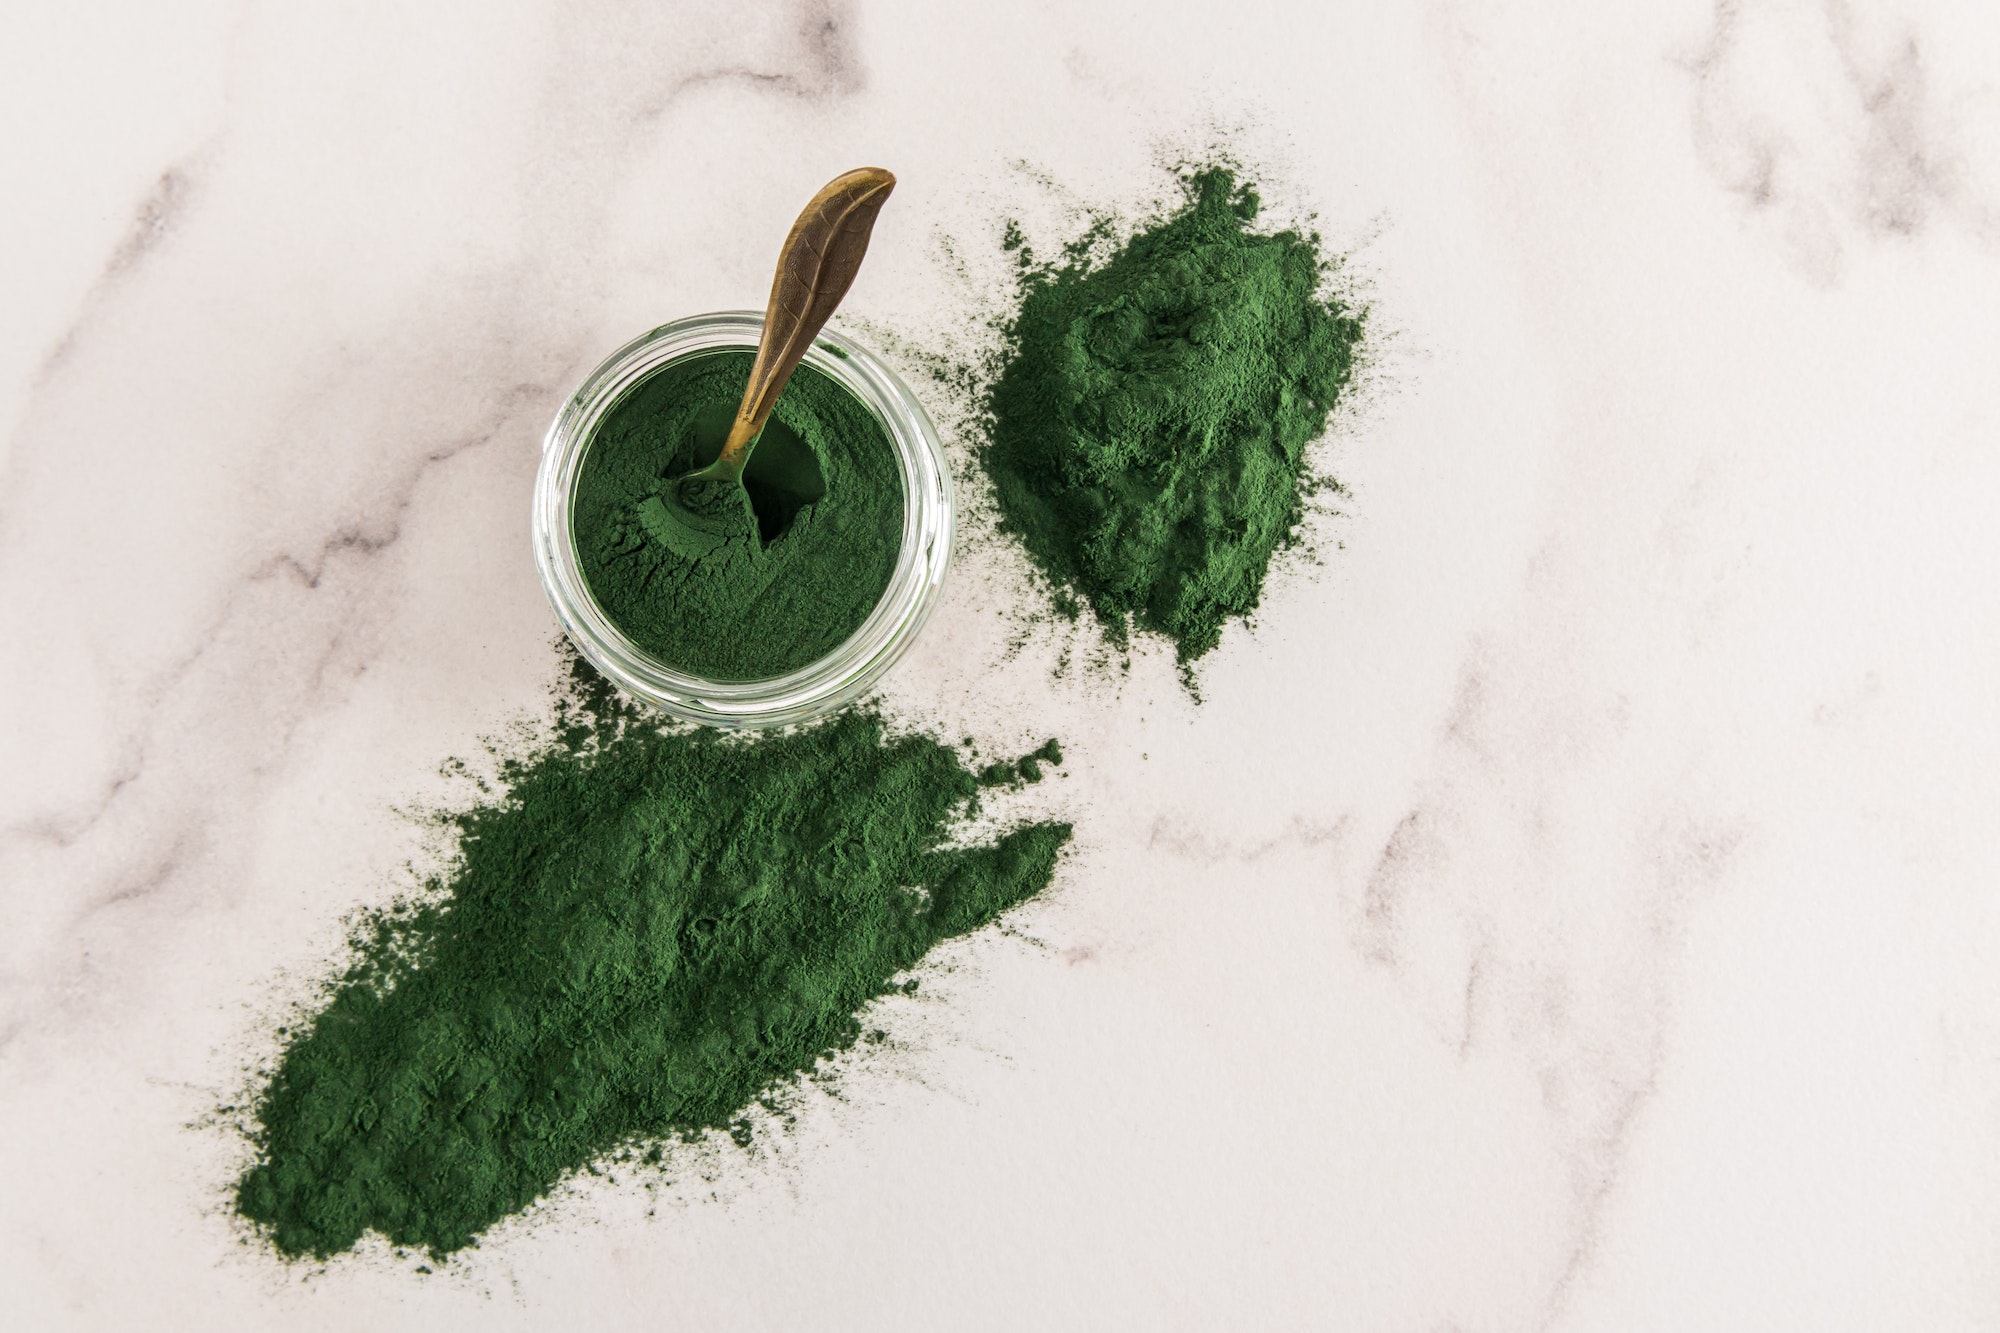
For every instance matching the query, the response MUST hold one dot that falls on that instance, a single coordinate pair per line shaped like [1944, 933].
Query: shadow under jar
[626, 587]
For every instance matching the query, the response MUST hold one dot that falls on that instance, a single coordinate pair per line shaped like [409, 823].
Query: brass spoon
[816, 266]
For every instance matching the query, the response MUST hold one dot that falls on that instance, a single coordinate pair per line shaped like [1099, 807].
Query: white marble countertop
[1574, 906]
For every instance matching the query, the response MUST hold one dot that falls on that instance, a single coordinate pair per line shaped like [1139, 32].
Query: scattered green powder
[1028, 768]
[1150, 423]
[725, 600]
[651, 931]
[648, 934]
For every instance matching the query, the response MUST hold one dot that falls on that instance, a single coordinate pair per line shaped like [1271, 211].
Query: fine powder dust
[648, 933]
[1150, 421]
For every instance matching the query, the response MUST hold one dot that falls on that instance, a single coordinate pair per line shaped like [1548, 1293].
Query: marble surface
[1574, 905]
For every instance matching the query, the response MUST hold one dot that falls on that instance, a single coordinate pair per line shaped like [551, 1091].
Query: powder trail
[648, 933]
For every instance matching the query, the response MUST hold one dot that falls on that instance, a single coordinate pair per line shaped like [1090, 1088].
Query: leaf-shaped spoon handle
[816, 266]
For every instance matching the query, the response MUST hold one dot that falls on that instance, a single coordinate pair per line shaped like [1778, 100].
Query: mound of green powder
[646, 935]
[1150, 422]
[722, 599]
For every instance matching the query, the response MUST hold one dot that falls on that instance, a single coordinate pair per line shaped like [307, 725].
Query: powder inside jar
[738, 583]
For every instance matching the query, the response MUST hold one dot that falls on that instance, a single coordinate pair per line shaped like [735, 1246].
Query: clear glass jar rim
[818, 688]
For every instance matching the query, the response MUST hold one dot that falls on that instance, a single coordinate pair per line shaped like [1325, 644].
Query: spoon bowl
[781, 476]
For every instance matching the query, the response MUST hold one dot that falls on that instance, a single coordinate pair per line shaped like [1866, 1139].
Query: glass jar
[844, 674]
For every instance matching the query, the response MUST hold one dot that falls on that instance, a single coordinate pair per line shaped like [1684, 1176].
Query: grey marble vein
[1869, 151]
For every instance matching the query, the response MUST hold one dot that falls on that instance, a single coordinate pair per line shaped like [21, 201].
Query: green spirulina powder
[1150, 422]
[759, 580]
[650, 932]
